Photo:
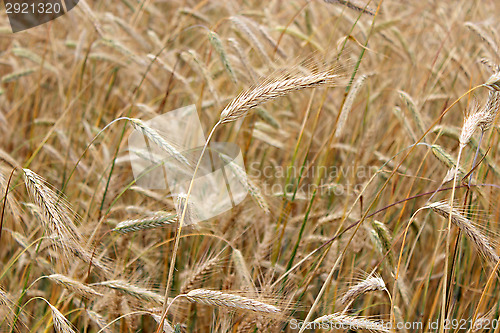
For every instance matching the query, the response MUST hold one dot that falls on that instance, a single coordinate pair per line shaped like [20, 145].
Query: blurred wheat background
[344, 222]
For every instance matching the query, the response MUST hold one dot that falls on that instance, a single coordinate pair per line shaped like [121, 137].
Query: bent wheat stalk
[61, 324]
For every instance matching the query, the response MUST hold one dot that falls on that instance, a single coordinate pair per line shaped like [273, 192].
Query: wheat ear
[98, 320]
[55, 213]
[61, 324]
[167, 328]
[346, 108]
[489, 114]
[493, 82]
[265, 92]
[247, 183]
[74, 285]
[216, 42]
[354, 4]
[151, 222]
[132, 290]
[220, 299]
[198, 275]
[480, 241]
[371, 283]
[490, 110]
[154, 136]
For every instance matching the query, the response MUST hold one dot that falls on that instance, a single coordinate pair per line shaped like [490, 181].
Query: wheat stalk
[235, 110]
[470, 125]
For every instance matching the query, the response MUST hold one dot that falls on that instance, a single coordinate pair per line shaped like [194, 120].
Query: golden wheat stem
[61, 324]
[485, 290]
[179, 228]
[170, 304]
[87, 148]
[103, 329]
[475, 156]
[396, 275]
[444, 315]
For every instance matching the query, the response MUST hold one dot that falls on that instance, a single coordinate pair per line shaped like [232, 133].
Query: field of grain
[370, 143]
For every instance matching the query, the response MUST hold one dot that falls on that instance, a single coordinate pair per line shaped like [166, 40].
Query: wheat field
[369, 165]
